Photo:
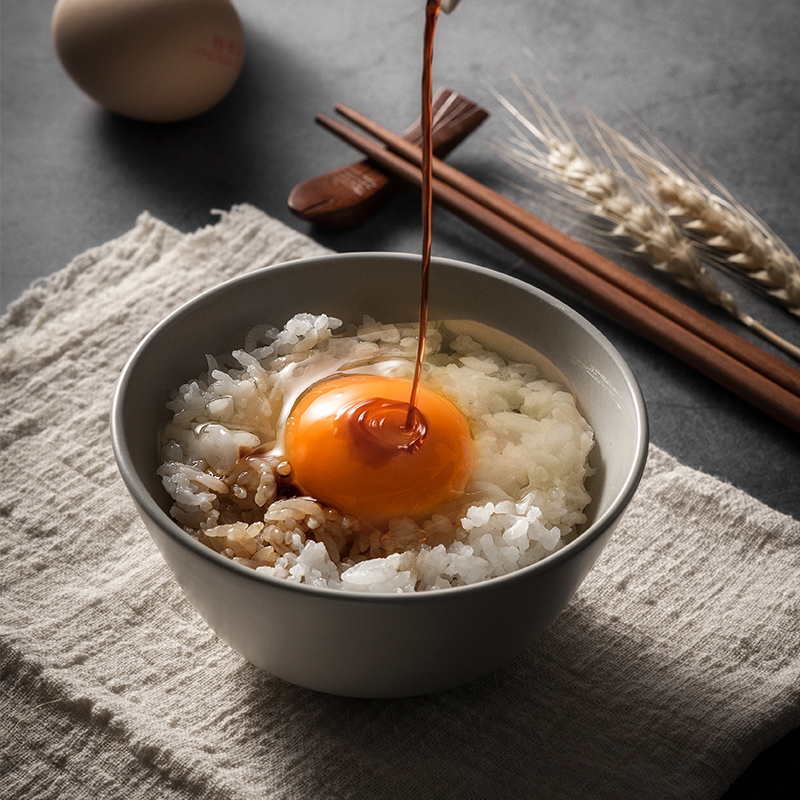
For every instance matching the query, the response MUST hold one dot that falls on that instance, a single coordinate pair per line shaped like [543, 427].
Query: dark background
[718, 80]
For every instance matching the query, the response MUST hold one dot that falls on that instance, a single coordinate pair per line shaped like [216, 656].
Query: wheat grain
[655, 233]
[639, 210]
[735, 239]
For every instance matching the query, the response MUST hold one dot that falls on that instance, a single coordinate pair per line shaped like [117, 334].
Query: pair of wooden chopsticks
[757, 377]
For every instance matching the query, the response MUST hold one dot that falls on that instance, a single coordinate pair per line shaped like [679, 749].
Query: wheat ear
[544, 145]
[736, 239]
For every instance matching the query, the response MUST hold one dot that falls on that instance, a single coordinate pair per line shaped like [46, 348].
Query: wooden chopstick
[721, 337]
[760, 379]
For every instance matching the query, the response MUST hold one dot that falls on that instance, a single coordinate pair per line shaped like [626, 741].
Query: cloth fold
[674, 666]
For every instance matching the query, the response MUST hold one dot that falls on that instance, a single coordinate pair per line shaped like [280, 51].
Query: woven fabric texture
[674, 666]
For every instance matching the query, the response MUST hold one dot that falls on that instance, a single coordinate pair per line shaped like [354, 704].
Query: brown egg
[153, 60]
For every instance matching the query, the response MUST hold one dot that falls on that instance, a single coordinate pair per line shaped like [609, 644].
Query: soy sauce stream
[373, 422]
[432, 8]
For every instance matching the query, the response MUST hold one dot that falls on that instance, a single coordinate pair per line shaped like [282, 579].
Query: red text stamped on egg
[222, 50]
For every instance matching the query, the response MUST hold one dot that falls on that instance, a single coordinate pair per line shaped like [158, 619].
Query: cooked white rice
[524, 501]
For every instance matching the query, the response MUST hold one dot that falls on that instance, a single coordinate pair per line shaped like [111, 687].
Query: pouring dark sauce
[386, 428]
[354, 442]
[432, 9]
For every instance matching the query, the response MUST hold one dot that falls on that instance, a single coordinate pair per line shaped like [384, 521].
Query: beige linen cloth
[674, 666]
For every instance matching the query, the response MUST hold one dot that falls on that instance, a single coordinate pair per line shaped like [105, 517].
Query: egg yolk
[350, 445]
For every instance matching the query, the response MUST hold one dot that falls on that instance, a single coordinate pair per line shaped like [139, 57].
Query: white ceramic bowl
[386, 645]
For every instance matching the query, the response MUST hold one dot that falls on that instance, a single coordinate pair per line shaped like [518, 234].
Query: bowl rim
[147, 504]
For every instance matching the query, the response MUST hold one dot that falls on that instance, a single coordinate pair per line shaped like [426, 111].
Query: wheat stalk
[643, 206]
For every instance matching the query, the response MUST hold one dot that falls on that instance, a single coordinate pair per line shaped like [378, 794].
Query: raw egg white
[349, 447]
[152, 60]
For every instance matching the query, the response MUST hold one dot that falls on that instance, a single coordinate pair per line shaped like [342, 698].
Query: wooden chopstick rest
[349, 195]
